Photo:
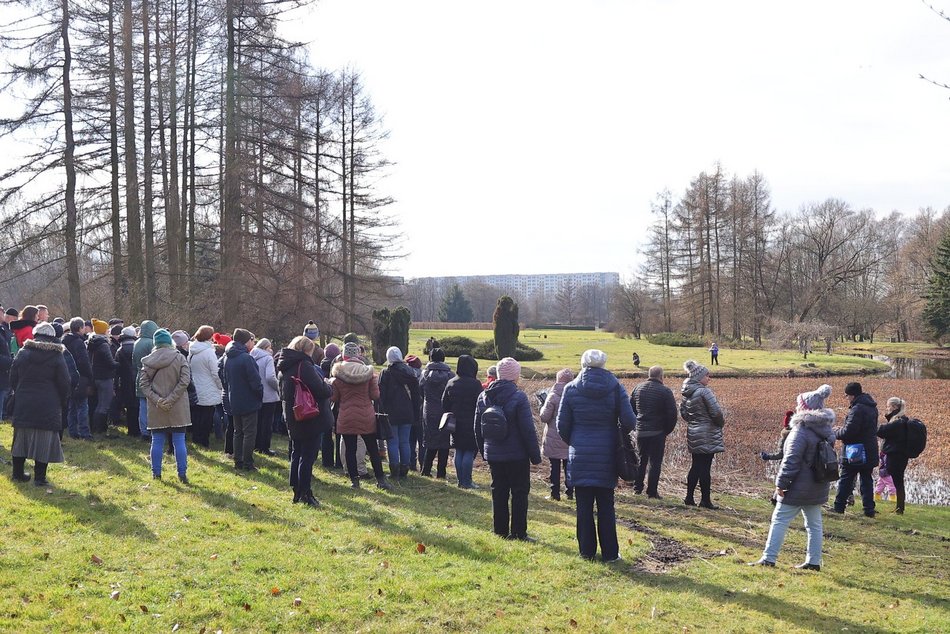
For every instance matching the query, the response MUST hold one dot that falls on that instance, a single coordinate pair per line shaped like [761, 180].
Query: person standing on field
[860, 429]
[553, 446]
[655, 409]
[245, 396]
[164, 380]
[704, 423]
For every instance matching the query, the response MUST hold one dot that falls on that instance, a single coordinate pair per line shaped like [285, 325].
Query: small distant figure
[885, 483]
[714, 354]
[431, 344]
[636, 360]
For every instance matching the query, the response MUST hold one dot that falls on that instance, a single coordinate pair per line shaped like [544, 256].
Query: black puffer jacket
[6, 359]
[435, 376]
[125, 372]
[655, 408]
[399, 394]
[77, 347]
[860, 426]
[290, 363]
[894, 433]
[100, 354]
[41, 381]
[460, 397]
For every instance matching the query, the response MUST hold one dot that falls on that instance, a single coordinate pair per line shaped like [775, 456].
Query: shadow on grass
[91, 511]
[889, 592]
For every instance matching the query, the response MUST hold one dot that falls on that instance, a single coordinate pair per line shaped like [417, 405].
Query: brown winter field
[754, 409]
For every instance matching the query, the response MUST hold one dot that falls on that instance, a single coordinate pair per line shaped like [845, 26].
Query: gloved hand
[764, 455]
[536, 461]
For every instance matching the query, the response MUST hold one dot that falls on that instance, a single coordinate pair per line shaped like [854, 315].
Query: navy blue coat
[860, 426]
[591, 406]
[6, 359]
[242, 381]
[522, 440]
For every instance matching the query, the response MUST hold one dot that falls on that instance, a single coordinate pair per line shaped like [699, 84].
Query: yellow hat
[99, 327]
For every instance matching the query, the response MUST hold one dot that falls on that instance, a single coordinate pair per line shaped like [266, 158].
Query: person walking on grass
[41, 382]
[592, 407]
[296, 362]
[796, 488]
[245, 396]
[704, 423]
[655, 408]
[510, 454]
[553, 446]
[435, 376]
[164, 380]
[859, 454]
[354, 390]
[460, 398]
[400, 398]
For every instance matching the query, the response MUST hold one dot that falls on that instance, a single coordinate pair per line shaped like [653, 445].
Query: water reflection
[912, 367]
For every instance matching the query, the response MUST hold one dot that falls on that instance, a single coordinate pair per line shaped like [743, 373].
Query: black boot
[309, 500]
[18, 474]
[354, 482]
[39, 471]
[297, 495]
[403, 471]
[706, 503]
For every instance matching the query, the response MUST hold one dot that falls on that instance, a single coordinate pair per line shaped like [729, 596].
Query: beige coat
[164, 381]
[355, 388]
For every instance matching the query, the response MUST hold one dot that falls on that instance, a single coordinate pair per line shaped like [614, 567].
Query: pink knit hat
[565, 376]
[509, 369]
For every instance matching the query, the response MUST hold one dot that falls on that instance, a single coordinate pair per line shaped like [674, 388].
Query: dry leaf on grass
[420, 548]
[96, 560]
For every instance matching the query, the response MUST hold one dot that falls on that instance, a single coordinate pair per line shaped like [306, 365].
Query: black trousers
[132, 418]
[848, 474]
[556, 466]
[229, 435]
[651, 450]
[443, 459]
[510, 480]
[265, 426]
[896, 465]
[326, 448]
[302, 456]
[372, 448]
[606, 526]
[201, 424]
[700, 472]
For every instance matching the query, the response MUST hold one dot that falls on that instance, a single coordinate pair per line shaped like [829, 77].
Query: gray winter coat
[553, 446]
[704, 419]
[795, 474]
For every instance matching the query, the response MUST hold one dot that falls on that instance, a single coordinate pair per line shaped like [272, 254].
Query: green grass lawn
[563, 348]
[108, 549]
[903, 349]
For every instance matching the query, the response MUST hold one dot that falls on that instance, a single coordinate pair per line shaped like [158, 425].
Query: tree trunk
[133, 212]
[173, 225]
[231, 240]
[151, 296]
[192, 152]
[119, 287]
[72, 258]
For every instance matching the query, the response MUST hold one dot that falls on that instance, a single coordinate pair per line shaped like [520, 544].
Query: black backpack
[494, 421]
[915, 433]
[825, 464]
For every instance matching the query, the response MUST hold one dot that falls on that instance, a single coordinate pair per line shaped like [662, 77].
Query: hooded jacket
[399, 394]
[354, 390]
[592, 406]
[894, 433]
[143, 347]
[292, 363]
[795, 474]
[100, 356]
[164, 380]
[460, 398]
[125, 372]
[704, 419]
[204, 373]
[435, 376]
[41, 382]
[860, 426]
[242, 381]
[521, 443]
[268, 372]
[553, 446]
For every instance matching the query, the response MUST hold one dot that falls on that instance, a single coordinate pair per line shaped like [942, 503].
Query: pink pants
[885, 485]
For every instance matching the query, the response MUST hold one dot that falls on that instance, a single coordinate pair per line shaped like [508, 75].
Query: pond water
[912, 367]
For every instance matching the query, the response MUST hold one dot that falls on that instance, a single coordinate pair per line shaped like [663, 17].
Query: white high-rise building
[526, 286]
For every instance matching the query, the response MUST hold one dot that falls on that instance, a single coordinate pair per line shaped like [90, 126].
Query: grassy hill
[563, 348]
[106, 548]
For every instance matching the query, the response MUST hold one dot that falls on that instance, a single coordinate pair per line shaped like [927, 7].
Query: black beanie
[853, 389]
[242, 336]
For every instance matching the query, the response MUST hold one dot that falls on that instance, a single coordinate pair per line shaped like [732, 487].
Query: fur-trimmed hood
[816, 419]
[46, 346]
[352, 372]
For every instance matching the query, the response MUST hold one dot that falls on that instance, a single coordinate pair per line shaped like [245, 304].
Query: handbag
[625, 453]
[384, 429]
[305, 406]
[855, 454]
[447, 423]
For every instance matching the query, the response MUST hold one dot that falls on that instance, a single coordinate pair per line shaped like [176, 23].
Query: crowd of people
[160, 384]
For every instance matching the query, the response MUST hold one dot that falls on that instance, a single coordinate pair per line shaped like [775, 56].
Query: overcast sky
[531, 137]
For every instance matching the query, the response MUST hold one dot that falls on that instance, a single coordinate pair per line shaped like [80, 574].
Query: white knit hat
[594, 359]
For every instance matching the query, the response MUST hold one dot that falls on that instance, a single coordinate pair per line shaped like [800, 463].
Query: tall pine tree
[937, 312]
[455, 307]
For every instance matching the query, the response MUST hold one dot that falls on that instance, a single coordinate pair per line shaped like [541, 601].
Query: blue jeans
[398, 445]
[464, 460]
[143, 417]
[78, 418]
[158, 450]
[781, 517]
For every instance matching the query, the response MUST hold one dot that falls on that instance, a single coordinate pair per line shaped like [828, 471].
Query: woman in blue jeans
[796, 489]
[460, 397]
[164, 380]
[401, 398]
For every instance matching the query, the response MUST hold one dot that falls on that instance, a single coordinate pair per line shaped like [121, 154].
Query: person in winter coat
[354, 390]
[435, 376]
[245, 392]
[126, 384]
[704, 423]
[714, 354]
[460, 398]
[417, 448]
[592, 407]
[143, 347]
[885, 483]
[263, 355]
[164, 380]
[894, 433]
[796, 489]
[22, 328]
[509, 459]
[655, 408]
[491, 375]
[6, 360]
[783, 436]
[553, 446]
[400, 398]
[331, 441]
[41, 381]
[296, 362]
[78, 416]
[204, 374]
[103, 374]
[860, 428]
